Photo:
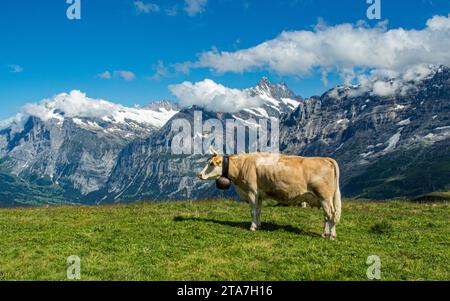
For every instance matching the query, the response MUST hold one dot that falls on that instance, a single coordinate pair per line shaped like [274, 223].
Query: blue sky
[43, 53]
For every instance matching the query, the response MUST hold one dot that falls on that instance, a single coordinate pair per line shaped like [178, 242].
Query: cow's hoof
[253, 228]
[332, 237]
[325, 235]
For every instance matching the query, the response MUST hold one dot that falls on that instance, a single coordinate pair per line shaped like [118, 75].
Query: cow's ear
[218, 162]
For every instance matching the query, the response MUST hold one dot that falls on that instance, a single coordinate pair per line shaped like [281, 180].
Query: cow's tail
[337, 204]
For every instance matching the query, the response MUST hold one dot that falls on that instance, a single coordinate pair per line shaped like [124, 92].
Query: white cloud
[385, 88]
[387, 83]
[15, 68]
[439, 23]
[77, 104]
[123, 74]
[105, 75]
[342, 48]
[213, 96]
[18, 119]
[126, 75]
[194, 7]
[146, 8]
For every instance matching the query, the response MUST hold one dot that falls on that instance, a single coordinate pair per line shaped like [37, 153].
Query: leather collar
[225, 166]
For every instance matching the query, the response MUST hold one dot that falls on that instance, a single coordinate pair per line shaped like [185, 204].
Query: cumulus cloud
[77, 104]
[146, 8]
[194, 7]
[74, 104]
[15, 68]
[439, 23]
[341, 48]
[214, 97]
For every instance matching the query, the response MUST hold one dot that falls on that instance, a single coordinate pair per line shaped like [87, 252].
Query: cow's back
[286, 178]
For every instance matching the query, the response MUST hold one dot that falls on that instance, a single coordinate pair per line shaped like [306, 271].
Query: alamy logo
[241, 136]
[374, 10]
[74, 10]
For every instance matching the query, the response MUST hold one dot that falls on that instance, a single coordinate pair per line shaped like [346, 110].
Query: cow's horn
[212, 151]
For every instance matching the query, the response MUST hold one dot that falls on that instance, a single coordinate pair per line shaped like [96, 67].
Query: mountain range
[391, 137]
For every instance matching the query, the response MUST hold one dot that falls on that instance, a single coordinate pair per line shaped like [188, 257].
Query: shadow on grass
[246, 225]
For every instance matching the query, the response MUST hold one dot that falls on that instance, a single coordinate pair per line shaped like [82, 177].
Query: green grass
[211, 241]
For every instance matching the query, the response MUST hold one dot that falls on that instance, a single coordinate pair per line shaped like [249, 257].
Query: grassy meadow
[210, 240]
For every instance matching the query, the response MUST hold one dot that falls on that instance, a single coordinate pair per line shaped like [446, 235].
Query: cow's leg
[256, 222]
[255, 211]
[326, 200]
[255, 218]
[326, 228]
[328, 215]
[259, 202]
[332, 226]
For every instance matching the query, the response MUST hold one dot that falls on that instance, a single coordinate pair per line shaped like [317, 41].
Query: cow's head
[213, 168]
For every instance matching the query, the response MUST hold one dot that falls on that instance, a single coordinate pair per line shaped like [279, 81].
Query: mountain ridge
[382, 137]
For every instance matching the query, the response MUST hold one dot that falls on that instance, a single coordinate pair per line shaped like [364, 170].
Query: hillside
[210, 241]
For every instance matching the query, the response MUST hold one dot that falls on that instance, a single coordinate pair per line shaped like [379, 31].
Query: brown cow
[284, 178]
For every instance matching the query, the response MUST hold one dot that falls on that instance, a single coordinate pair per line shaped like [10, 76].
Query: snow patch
[246, 122]
[392, 142]
[404, 122]
[260, 112]
[365, 155]
[290, 102]
[399, 107]
[345, 120]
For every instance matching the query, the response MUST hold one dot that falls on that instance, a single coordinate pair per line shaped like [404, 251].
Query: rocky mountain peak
[277, 91]
[163, 104]
[264, 82]
[278, 98]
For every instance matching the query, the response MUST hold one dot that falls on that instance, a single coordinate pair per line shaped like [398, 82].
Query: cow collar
[225, 166]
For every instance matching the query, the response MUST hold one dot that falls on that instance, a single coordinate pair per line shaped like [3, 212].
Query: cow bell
[223, 183]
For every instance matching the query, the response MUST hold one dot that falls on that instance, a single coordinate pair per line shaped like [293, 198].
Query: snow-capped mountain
[391, 136]
[277, 100]
[390, 142]
[71, 142]
[276, 96]
[391, 145]
[96, 114]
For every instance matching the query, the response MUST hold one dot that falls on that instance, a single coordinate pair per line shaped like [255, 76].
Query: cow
[284, 178]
